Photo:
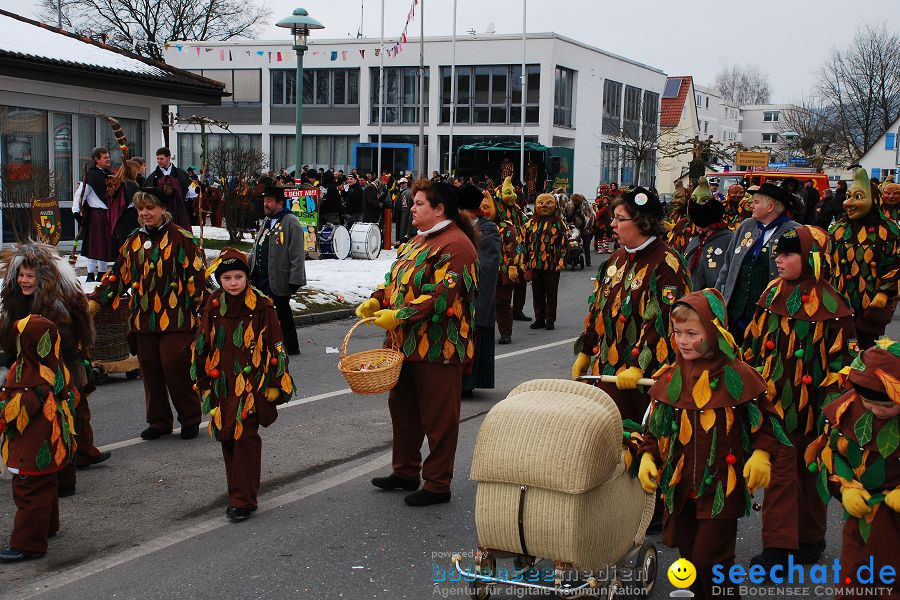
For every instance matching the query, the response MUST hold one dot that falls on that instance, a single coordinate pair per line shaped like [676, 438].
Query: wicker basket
[111, 343]
[372, 381]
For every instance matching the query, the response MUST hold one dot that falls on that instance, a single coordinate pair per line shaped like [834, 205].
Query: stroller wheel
[485, 563]
[646, 566]
[616, 588]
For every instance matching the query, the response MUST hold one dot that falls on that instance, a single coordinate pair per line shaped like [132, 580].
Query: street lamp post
[300, 24]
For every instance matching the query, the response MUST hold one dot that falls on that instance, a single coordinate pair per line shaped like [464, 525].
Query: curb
[323, 317]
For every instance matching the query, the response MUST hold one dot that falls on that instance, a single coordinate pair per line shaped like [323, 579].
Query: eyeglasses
[619, 219]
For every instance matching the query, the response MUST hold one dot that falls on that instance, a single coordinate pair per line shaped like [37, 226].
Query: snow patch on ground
[217, 233]
[353, 279]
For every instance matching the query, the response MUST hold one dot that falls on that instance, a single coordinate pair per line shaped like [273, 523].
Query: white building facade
[576, 97]
[716, 116]
[762, 125]
[883, 158]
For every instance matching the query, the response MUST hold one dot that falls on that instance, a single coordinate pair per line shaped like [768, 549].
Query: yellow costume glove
[272, 394]
[758, 470]
[627, 379]
[368, 308]
[582, 362]
[854, 500]
[647, 473]
[93, 308]
[878, 301]
[513, 274]
[387, 319]
[892, 499]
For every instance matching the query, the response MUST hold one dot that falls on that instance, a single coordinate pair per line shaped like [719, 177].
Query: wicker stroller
[553, 486]
[574, 249]
[110, 352]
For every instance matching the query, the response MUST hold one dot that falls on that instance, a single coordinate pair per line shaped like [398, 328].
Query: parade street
[150, 523]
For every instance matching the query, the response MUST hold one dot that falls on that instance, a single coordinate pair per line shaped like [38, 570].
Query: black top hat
[778, 193]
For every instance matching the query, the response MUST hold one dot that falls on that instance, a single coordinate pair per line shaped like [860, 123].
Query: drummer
[628, 316]
[276, 261]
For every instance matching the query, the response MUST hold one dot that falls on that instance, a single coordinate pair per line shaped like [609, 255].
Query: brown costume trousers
[503, 305]
[521, 289]
[425, 403]
[165, 360]
[37, 498]
[704, 542]
[882, 549]
[86, 452]
[544, 287]
[243, 462]
[792, 512]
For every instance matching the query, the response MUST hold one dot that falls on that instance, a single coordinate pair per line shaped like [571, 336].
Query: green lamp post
[300, 24]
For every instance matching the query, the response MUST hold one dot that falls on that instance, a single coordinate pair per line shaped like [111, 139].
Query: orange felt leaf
[676, 474]
[891, 384]
[729, 419]
[60, 455]
[48, 375]
[50, 409]
[732, 481]
[164, 321]
[685, 431]
[238, 429]
[612, 357]
[707, 419]
[812, 305]
[22, 420]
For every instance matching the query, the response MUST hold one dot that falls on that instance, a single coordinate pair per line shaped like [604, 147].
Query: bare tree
[862, 82]
[811, 129]
[145, 25]
[743, 84]
[236, 167]
[638, 138]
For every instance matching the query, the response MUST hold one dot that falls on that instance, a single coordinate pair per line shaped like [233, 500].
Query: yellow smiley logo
[682, 573]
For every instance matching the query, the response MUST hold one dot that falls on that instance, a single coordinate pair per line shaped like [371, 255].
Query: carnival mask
[702, 193]
[544, 205]
[508, 192]
[735, 193]
[679, 198]
[488, 209]
[890, 194]
[859, 197]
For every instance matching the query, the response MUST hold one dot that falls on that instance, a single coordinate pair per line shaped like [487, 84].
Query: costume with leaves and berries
[858, 455]
[709, 424]
[37, 406]
[734, 200]
[510, 263]
[801, 336]
[545, 256]
[865, 248]
[681, 230]
[512, 296]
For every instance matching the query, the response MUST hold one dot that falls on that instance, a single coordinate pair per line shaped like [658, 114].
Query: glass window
[134, 132]
[612, 107]
[769, 138]
[26, 166]
[322, 88]
[401, 101]
[278, 77]
[650, 114]
[327, 152]
[489, 94]
[673, 87]
[353, 86]
[309, 86]
[339, 87]
[609, 163]
[190, 147]
[62, 155]
[770, 116]
[87, 139]
[563, 97]
[247, 86]
[632, 112]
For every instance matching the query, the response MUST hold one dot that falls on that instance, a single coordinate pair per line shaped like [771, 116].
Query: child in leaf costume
[801, 336]
[37, 405]
[545, 257]
[865, 248]
[241, 369]
[857, 460]
[709, 436]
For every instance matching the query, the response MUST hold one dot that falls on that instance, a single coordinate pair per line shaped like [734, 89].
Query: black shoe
[293, 352]
[151, 433]
[66, 491]
[520, 316]
[770, 557]
[424, 498]
[809, 554]
[505, 339]
[103, 456]
[238, 514]
[90, 278]
[549, 326]
[655, 527]
[13, 555]
[393, 482]
[467, 393]
[189, 432]
[538, 325]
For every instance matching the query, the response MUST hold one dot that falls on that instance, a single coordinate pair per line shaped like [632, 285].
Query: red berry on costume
[731, 459]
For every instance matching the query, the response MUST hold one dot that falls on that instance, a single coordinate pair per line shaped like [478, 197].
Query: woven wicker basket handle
[349, 333]
[612, 379]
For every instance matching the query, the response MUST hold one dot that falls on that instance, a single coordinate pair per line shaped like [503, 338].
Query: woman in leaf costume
[857, 460]
[865, 248]
[37, 405]
[708, 439]
[241, 369]
[426, 304]
[625, 331]
[510, 259]
[163, 268]
[545, 256]
[799, 339]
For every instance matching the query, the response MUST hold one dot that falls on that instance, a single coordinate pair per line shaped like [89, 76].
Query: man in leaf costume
[857, 460]
[163, 268]
[510, 262]
[799, 339]
[734, 213]
[890, 201]
[705, 251]
[427, 305]
[544, 258]
[510, 211]
[680, 228]
[708, 439]
[37, 427]
[865, 248]
[241, 369]
[625, 331]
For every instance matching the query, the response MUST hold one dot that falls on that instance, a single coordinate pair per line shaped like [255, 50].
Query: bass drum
[334, 242]
[365, 241]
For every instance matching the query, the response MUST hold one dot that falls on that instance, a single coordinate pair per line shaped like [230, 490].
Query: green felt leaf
[440, 305]
[712, 450]
[237, 338]
[180, 317]
[220, 337]
[778, 369]
[452, 332]
[842, 468]
[865, 529]
[888, 438]
[434, 332]
[145, 302]
[658, 421]
[673, 390]
[716, 305]
[645, 358]
[223, 304]
[794, 302]
[779, 432]
[66, 432]
[631, 333]
[467, 279]
[718, 500]
[421, 258]
[733, 383]
[773, 322]
[822, 486]
[43, 458]
[44, 345]
[790, 418]
[200, 343]
[405, 313]
[863, 428]
[754, 415]
[854, 453]
[801, 328]
[873, 477]
[727, 350]
[409, 346]
[417, 280]
[829, 301]
[236, 368]
[152, 321]
[770, 295]
[59, 382]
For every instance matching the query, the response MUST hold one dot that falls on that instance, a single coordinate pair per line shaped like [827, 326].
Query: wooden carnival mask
[545, 205]
[890, 194]
[859, 197]
[735, 193]
[508, 192]
[488, 208]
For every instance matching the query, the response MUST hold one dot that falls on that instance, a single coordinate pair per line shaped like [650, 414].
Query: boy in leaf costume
[801, 336]
[37, 405]
[856, 459]
[545, 257]
[241, 369]
[865, 248]
[709, 437]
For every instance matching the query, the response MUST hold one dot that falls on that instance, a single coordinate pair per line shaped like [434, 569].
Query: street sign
[752, 159]
[777, 165]
[798, 161]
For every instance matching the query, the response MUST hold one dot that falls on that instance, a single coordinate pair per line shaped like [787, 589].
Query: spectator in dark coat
[330, 205]
[353, 201]
[828, 210]
[372, 206]
[811, 199]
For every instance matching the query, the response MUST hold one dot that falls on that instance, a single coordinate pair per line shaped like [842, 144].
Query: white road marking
[341, 392]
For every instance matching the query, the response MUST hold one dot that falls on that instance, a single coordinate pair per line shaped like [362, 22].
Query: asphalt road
[149, 523]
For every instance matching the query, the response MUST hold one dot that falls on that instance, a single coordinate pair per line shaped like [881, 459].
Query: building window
[562, 97]
[705, 126]
[612, 107]
[707, 102]
[650, 114]
[491, 94]
[890, 139]
[321, 87]
[189, 147]
[770, 116]
[319, 151]
[632, 111]
[244, 85]
[769, 138]
[609, 163]
[401, 99]
[699, 100]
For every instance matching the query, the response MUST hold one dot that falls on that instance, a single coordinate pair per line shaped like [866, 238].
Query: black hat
[789, 242]
[642, 200]
[158, 194]
[447, 196]
[706, 213]
[273, 192]
[470, 197]
[778, 193]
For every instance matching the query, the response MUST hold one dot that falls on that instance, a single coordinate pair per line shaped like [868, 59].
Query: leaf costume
[545, 243]
[510, 221]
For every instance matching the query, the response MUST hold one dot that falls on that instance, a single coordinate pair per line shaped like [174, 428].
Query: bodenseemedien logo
[682, 573]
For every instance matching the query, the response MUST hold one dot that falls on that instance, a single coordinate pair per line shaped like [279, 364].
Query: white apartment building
[883, 158]
[577, 96]
[762, 125]
[717, 117]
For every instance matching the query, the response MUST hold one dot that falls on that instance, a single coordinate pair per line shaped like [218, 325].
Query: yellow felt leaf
[420, 299]
[57, 432]
[136, 243]
[685, 431]
[812, 305]
[48, 375]
[167, 253]
[449, 349]
[22, 420]
[702, 392]
[423, 346]
[248, 335]
[164, 321]
[707, 419]
[50, 409]
[250, 299]
[60, 455]
[250, 403]
[729, 419]
[662, 351]
[239, 383]
[164, 241]
[464, 328]
[238, 429]
[440, 273]
[173, 300]
[804, 396]
[257, 355]
[12, 408]
[287, 384]
[23, 323]
[840, 410]
[612, 357]
[218, 420]
[673, 262]
[891, 384]
[732, 481]
[861, 236]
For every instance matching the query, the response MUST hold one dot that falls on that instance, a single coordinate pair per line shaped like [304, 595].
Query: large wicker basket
[111, 342]
[382, 378]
